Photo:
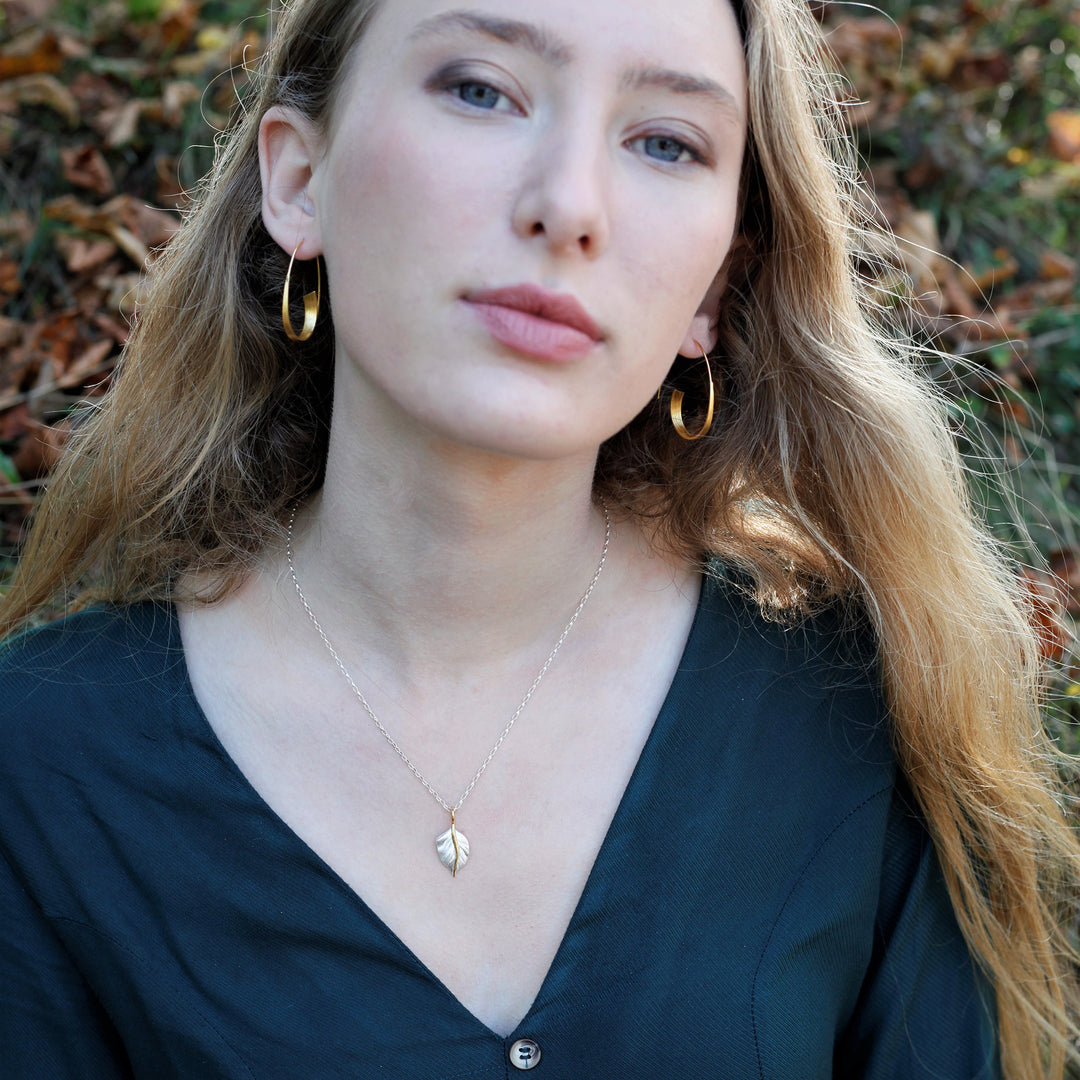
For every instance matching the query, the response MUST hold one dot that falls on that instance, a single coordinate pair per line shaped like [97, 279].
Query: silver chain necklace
[452, 845]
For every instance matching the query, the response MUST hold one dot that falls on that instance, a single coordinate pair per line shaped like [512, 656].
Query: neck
[447, 553]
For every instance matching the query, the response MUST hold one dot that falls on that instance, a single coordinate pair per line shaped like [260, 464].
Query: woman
[660, 822]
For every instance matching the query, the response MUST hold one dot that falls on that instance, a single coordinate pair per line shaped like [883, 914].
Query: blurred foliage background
[967, 115]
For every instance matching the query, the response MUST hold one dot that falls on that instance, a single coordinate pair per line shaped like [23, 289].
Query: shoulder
[71, 687]
[89, 708]
[100, 652]
[832, 642]
[809, 680]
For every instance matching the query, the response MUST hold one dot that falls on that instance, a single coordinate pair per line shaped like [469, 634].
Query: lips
[536, 322]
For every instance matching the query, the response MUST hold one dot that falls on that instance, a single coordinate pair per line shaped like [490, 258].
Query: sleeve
[926, 1009]
[51, 1026]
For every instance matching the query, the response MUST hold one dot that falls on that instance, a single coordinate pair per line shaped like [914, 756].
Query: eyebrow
[512, 31]
[681, 82]
[557, 53]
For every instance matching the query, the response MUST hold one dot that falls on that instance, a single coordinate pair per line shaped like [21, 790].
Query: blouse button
[524, 1054]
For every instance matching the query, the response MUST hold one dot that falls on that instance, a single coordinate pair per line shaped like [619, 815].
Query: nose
[564, 197]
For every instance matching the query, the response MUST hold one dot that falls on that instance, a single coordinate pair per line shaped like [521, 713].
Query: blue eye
[665, 148]
[478, 94]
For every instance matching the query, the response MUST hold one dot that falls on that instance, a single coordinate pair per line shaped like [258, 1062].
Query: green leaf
[8, 470]
[143, 9]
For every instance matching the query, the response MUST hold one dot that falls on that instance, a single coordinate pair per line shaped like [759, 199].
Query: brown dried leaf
[92, 361]
[57, 339]
[1065, 564]
[170, 192]
[1013, 410]
[117, 330]
[212, 45]
[18, 226]
[86, 168]
[121, 123]
[98, 99]
[958, 302]
[39, 90]
[11, 331]
[175, 97]
[68, 208]
[1037, 294]
[19, 364]
[920, 247]
[13, 422]
[36, 10]
[123, 293]
[81, 254]
[179, 22]
[39, 449]
[153, 227]
[987, 67]
[9, 275]
[937, 58]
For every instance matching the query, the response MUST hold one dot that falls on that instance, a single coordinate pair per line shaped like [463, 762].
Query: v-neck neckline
[664, 719]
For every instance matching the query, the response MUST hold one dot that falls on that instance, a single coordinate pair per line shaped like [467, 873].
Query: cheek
[676, 235]
[673, 276]
[399, 206]
[373, 184]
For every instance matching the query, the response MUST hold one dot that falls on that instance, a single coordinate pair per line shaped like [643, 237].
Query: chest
[705, 905]
[534, 825]
[535, 817]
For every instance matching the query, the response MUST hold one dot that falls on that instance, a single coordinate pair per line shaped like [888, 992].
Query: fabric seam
[802, 874]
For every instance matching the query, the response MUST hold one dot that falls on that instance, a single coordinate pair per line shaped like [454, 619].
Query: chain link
[517, 712]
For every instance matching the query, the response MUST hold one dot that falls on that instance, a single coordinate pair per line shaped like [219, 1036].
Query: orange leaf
[45, 58]
[1056, 266]
[1064, 128]
[1047, 614]
[1003, 271]
[1065, 564]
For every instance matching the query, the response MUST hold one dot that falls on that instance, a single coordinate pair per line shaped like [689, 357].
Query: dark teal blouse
[766, 902]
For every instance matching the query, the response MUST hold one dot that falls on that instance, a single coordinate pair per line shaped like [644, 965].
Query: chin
[524, 439]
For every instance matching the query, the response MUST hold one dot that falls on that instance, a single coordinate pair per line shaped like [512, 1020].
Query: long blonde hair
[832, 470]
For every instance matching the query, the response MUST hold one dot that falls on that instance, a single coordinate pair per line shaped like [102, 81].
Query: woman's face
[523, 207]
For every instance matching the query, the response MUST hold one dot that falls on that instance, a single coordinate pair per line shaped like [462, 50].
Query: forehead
[565, 33]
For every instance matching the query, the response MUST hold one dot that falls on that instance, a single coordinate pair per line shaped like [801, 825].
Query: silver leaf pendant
[453, 848]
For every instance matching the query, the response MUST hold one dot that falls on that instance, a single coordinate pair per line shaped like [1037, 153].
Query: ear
[289, 149]
[703, 326]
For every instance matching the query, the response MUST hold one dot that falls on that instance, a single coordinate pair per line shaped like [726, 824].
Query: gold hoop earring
[311, 303]
[677, 400]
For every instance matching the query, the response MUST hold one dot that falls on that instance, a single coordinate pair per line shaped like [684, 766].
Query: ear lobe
[288, 152]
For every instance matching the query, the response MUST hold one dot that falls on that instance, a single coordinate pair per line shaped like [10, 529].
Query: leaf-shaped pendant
[453, 848]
